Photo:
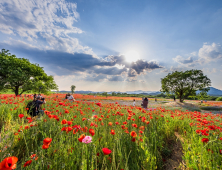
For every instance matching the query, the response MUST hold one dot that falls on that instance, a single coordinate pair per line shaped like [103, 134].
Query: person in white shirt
[70, 97]
[134, 102]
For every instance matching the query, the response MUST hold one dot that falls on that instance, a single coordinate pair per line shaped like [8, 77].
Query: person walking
[174, 98]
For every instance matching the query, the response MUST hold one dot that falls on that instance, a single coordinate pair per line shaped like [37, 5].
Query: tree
[113, 94]
[183, 84]
[105, 94]
[20, 75]
[73, 88]
[203, 94]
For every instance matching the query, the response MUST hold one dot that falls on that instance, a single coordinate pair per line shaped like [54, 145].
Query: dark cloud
[110, 71]
[63, 63]
[140, 66]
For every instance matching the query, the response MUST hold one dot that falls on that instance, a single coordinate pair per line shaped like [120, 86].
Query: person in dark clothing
[174, 98]
[145, 103]
[39, 103]
[34, 96]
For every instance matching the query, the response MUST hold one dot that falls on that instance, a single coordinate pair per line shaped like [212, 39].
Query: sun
[132, 56]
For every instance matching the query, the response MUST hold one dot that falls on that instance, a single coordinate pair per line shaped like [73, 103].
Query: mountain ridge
[212, 92]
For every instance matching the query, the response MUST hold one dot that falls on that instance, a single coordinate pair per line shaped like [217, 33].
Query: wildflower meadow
[91, 134]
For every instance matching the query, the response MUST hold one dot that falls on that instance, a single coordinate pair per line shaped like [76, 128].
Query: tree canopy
[20, 75]
[183, 84]
[73, 87]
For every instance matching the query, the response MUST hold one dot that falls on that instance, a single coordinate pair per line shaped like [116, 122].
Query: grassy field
[108, 133]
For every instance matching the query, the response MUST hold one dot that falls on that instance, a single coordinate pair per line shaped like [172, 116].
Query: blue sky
[119, 45]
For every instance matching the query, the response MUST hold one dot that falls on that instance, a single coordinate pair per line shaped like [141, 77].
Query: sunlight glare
[132, 56]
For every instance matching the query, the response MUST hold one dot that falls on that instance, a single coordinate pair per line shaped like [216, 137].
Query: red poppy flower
[64, 121]
[27, 163]
[45, 146]
[8, 163]
[142, 127]
[99, 104]
[69, 122]
[133, 134]
[112, 132]
[21, 116]
[205, 140]
[106, 151]
[110, 123]
[47, 141]
[134, 139]
[81, 137]
[92, 132]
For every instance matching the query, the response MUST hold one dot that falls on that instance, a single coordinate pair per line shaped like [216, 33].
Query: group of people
[34, 107]
[144, 103]
[69, 97]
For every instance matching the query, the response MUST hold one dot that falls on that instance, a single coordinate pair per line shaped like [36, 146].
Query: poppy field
[91, 134]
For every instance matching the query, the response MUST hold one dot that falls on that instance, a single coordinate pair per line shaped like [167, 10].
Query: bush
[219, 99]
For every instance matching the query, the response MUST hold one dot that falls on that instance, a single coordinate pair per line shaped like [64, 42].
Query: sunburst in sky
[115, 45]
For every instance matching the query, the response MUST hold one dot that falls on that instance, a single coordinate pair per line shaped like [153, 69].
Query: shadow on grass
[182, 106]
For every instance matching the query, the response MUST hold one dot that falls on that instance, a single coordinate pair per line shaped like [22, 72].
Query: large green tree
[73, 87]
[20, 75]
[183, 84]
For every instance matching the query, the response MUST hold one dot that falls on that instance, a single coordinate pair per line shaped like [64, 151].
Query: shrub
[219, 99]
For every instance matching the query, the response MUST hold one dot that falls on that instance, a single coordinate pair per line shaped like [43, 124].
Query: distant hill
[212, 92]
[128, 92]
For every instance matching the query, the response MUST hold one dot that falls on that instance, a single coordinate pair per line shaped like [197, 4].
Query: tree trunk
[16, 90]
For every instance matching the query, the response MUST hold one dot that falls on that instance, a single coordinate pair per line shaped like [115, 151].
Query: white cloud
[206, 54]
[208, 70]
[209, 52]
[181, 60]
[52, 20]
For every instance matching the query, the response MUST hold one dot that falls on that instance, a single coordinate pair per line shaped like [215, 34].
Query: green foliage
[19, 75]
[73, 88]
[219, 99]
[184, 84]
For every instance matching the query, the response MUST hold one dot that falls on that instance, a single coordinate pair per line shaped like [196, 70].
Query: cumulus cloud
[206, 54]
[210, 52]
[181, 60]
[47, 19]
